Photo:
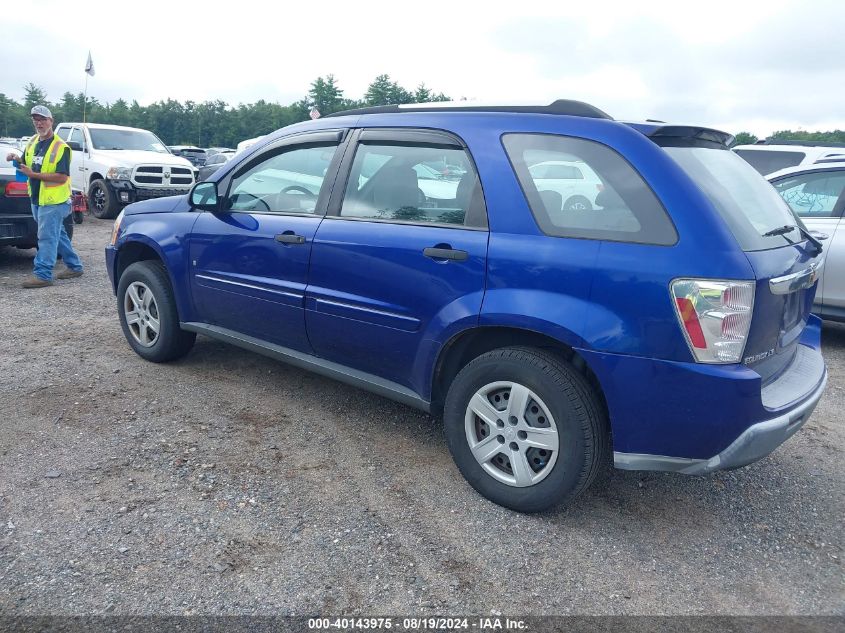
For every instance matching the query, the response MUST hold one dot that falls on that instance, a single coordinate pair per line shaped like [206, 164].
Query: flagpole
[85, 97]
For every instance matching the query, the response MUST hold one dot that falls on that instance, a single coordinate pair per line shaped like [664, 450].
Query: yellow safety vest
[49, 192]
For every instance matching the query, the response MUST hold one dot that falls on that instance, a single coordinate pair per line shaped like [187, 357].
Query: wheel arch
[470, 344]
[132, 252]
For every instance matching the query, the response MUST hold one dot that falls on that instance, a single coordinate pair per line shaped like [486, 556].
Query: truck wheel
[525, 429]
[102, 201]
[148, 315]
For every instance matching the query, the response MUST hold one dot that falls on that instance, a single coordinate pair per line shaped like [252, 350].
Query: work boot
[36, 282]
[67, 273]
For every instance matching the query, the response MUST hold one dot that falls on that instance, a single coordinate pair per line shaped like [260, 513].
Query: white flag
[89, 65]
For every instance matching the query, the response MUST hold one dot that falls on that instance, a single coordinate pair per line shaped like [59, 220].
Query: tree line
[217, 124]
[206, 124]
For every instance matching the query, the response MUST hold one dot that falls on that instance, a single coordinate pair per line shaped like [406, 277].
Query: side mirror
[204, 196]
[74, 146]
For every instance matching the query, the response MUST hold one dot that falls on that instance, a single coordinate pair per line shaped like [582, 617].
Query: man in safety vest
[46, 162]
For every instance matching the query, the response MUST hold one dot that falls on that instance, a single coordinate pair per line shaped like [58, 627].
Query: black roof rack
[561, 106]
[782, 141]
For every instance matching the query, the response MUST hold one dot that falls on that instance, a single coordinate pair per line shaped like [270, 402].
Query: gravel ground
[227, 483]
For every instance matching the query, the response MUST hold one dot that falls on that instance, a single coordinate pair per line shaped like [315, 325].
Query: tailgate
[786, 287]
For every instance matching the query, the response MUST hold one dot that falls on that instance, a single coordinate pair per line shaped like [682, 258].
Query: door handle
[446, 253]
[290, 238]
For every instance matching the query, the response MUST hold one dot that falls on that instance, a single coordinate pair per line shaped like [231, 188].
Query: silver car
[816, 193]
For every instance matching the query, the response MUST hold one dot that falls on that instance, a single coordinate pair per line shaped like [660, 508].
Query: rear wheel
[101, 200]
[525, 429]
[148, 315]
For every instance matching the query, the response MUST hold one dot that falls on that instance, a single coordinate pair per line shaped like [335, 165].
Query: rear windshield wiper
[781, 230]
[788, 228]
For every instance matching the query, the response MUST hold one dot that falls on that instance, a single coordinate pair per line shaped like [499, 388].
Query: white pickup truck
[116, 165]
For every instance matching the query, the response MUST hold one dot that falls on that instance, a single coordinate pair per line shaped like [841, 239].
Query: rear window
[746, 201]
[583, 189]
[766, 162]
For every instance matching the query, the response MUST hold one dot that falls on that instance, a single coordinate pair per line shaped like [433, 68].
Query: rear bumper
[695, 418]
[18, 229]
[755, 443]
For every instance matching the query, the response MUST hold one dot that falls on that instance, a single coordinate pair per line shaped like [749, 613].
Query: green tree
[745, 138]
[33, 95]
[385, 92]
[6, 107]
[325, 95]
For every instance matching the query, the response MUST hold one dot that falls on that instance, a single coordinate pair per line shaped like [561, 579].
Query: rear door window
[397, 183]
[583, 189]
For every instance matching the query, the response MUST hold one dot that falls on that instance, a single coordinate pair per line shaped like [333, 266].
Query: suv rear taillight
[715, 317]
[15, 189]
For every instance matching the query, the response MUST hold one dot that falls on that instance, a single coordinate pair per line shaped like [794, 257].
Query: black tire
[78, 217]
[170, 342]
[577, 203]
[101, 200]
[571, 407]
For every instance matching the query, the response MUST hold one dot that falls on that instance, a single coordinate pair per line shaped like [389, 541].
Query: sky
[735, 65]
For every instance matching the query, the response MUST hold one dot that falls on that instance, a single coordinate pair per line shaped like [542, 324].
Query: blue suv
[563, 288]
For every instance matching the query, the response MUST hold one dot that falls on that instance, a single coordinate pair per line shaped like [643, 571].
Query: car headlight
[116, 230]
[119, 173]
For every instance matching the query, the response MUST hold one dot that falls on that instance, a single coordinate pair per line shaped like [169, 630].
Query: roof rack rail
[783, 141]
[561, 106]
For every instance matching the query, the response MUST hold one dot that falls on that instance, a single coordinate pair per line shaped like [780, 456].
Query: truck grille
[162, 176]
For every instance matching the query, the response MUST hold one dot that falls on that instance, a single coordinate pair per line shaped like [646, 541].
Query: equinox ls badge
[758, 357]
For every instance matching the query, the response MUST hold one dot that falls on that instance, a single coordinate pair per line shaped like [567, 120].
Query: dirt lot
[230, 483]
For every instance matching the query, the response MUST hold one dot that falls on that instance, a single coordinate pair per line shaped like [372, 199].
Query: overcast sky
[736, 65]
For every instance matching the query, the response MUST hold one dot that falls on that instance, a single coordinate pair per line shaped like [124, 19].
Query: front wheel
[525, 429]
[101, 200]
[148, 315]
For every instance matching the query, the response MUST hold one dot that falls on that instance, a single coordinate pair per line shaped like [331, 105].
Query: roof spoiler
[690, 136]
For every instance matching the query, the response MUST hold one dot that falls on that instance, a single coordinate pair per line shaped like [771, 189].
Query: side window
[813, 195]
[63, 132]
[579, 188]
[77, 137]
[289, 181]
[420, 184]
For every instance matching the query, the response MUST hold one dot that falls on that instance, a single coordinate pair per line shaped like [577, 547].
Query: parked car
[577, 184]
[17, 226]
[115, 165]
[213, 163]
[668, 327]
[774, 155]
[816, 193]
[195, 155]
[211, 151]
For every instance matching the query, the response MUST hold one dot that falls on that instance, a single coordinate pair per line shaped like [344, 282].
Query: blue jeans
[53, 240]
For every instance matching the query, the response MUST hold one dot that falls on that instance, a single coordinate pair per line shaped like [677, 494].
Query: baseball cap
[41, 110]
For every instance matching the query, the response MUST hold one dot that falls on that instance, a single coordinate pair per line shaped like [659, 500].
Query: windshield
[126, 139]
[746, 201]
[769, 161]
